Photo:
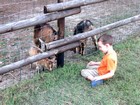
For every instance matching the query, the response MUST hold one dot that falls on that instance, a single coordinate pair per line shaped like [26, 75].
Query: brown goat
[44, 32]
[43, 64]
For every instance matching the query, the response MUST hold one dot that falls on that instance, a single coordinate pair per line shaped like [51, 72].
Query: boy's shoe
[96, 83]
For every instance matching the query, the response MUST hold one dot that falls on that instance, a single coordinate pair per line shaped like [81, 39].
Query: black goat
[84, 26]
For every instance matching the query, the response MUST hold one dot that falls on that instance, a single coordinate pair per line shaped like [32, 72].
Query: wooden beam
[99, 30]
[61, 32]
[37, 20]
[70, 4]
[35, 58]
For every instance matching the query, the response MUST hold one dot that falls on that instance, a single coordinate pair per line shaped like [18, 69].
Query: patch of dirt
[14, 45]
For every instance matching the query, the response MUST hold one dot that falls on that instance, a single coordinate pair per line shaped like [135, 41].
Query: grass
[65, 86]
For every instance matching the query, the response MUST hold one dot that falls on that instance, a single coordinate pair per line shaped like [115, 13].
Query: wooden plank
[96, 31]
[70, 4]
[35, 58]
[37, 20]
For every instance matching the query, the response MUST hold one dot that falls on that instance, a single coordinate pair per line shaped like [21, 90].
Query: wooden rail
[77, 37]
[37, 20]
[71, 4]
[62, 44]
[37, 57]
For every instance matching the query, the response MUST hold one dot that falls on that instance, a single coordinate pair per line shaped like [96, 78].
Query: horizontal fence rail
[71, 4]
[80, 36]
[37, 20]
[37, 57]
[66, 42]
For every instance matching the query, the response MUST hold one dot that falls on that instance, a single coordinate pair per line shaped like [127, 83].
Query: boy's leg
[89, 73]
[92, 67]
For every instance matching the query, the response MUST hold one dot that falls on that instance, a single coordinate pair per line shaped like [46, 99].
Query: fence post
[61, 32]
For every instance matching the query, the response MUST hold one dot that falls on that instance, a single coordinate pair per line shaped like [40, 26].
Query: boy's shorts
[90, 71]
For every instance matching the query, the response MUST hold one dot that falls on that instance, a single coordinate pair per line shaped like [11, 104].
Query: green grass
[65, 86]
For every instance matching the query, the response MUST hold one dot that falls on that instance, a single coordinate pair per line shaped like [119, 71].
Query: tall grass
[65, 86]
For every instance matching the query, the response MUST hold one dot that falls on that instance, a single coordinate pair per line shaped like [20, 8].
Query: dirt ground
[14, 45]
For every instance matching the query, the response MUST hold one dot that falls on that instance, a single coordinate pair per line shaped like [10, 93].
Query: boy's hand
[92, 63]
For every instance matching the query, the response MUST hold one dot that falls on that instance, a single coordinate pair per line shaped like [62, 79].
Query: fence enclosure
[57, 14]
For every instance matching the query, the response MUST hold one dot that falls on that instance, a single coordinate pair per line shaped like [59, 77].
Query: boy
[96, 72]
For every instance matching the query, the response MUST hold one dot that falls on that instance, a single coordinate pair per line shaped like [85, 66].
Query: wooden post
[61, 32]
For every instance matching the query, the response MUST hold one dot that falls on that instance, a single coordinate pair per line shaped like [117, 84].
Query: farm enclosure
[14, 45]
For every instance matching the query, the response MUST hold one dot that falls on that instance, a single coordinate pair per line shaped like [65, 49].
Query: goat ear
[43, 45]
[45, 10]
[75, 31]
[55, 37]
[93, 27]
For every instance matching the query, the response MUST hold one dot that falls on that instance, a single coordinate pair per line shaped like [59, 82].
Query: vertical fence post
[61, 32]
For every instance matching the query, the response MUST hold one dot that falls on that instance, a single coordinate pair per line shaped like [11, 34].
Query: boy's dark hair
[106, 39]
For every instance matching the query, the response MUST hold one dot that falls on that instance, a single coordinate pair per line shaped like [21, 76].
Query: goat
[84, 26]
[44, 32]
[43, 64]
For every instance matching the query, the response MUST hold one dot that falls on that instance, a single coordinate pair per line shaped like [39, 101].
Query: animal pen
[16, 29]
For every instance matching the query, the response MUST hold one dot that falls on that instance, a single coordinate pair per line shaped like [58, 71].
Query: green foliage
[65, 86]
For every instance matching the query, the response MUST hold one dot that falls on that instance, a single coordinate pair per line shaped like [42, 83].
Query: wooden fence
[61, 45]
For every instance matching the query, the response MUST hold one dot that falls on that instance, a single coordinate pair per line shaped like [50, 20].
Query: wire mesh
[14, 46]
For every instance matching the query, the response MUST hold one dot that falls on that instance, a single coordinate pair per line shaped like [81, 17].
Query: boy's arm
[108, 75]
[93, 63]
